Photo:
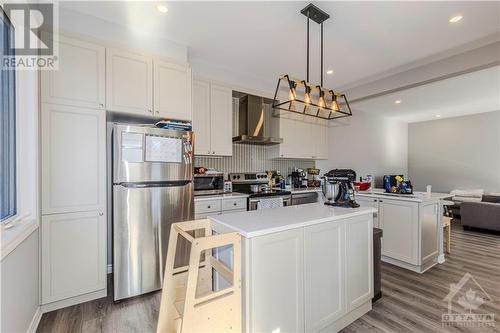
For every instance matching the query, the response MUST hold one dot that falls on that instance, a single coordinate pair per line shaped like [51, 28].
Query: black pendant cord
[307, 65]
[321, 74]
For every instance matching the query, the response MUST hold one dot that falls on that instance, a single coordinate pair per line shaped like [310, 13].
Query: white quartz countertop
[232, 195]
[266, 221]
[416, 196]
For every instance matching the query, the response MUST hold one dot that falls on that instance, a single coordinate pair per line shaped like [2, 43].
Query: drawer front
[207, 206]
[231, 204]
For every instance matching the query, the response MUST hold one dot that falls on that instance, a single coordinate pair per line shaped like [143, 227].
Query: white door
[73, 159]
[277, 268]
[172, 90]
[73, 254]
[324, 258]
[221, 115]
[129, 82]
[399, 221]
[201, 117]
[359, 262]
[80, 78]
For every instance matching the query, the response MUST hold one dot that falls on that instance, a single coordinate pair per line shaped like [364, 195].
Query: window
[8, 193]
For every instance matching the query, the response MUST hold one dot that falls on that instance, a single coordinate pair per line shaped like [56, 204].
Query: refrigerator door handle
[172, 183]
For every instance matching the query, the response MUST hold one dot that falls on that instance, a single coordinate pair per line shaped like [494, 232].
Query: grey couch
[484, 214]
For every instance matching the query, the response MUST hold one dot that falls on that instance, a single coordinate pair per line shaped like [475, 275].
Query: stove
[242, 182]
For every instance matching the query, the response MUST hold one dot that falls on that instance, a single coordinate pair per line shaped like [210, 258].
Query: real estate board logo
[31, 35]
[465, 299]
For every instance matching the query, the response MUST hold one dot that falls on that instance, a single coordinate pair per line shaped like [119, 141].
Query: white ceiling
[265, 39]
[470, 93]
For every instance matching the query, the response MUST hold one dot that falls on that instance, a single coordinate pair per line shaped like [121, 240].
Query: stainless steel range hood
[254, 121]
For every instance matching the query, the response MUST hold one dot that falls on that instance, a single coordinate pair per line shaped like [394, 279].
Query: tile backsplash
[251, 158]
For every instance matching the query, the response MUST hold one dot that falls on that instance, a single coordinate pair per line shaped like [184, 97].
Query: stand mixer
[338, 189]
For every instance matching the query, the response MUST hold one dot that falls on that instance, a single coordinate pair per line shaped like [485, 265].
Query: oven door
[252, 202]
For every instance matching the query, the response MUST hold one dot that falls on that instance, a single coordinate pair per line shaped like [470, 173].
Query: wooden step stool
[188, 301]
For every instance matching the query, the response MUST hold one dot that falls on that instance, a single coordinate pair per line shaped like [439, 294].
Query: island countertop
[262, 222]
[416, 197]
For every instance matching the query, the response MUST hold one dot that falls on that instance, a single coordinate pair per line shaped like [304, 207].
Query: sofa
[484, 214]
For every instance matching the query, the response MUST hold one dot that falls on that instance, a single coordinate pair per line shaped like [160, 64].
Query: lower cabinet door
[399, 221]
[73, 255]
[324, 259]
[277, 275]
[359, 261]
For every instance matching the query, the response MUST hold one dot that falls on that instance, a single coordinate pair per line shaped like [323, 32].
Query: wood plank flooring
[410, 302]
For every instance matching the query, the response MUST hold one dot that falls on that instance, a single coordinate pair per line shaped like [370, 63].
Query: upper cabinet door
[172, 90]
[80, 79]
[201, 117]
[73, 159]
[129, 82]
[221, 120]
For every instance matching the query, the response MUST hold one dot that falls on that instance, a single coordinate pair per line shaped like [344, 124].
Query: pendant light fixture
[301, 96]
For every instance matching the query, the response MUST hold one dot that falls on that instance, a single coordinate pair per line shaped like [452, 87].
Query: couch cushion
[491, 198]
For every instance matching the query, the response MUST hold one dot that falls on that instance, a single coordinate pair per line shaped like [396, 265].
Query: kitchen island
[306, 268]
[412, 227]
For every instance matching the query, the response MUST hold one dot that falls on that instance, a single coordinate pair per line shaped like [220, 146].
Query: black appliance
[299, 178]
[343, 178]
[208, 184]
[255, 184]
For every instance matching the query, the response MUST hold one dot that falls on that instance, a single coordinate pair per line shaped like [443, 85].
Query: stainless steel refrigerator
[152, 188]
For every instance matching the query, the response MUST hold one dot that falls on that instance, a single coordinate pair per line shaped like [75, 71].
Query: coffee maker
[299, 178]
[338, 188]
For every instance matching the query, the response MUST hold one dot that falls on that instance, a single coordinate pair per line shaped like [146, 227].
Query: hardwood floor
[410, 302]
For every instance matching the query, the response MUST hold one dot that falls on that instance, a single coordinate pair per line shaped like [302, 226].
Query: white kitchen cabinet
[73, 255]
[73, 142]
[218, 205]
[80, 77]
[221, 113]
[401, 230]
[172, 90]
[201, 117]
[212, 118]
[359, 261]
[325, 261]
[129, 82]
[286, 251]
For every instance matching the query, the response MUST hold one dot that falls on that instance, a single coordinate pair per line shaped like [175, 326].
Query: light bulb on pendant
[307, 95]
[321, 100]
[335, 105]
[292, 95]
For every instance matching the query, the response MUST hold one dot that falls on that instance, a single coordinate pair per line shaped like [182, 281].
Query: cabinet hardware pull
[375, 200]
[101, 105]
[234, 203]
[101, 213]
[209, 207]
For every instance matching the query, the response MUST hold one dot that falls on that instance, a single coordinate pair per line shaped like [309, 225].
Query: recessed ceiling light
[438, 116]
[162, 8]
[397, 102]
[455, 19]
[330, 71]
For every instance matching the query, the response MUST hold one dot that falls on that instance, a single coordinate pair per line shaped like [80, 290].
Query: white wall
[456, 153]
[368, 144]
[19, 286]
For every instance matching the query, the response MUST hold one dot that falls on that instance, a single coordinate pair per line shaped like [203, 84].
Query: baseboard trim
[73, 300]
[110, 268]
[35, 321]
[441, 259]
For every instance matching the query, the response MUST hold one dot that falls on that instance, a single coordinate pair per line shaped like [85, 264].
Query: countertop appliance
[245, 182]
[209, 184]
[152, 188]
[338, 189]
[299, 178]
